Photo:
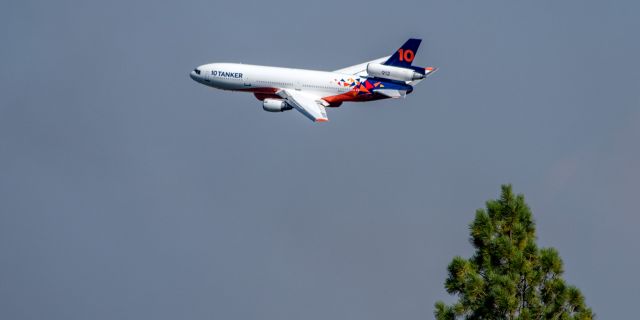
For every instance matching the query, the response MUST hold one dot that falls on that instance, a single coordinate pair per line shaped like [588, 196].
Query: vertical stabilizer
[404, 56]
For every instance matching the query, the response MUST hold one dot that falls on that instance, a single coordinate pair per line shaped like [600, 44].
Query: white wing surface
[361, 69]
[310, 106]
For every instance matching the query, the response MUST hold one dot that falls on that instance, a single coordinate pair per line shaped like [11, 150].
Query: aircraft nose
[195, 74]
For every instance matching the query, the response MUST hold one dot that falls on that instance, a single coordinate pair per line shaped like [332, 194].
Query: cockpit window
[197, 71]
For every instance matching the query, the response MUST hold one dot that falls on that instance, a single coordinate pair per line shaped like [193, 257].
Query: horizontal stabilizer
[392, 93]
[429, 70]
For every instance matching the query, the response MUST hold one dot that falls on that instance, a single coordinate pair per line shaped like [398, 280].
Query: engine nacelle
[275, 105]
[393, 73]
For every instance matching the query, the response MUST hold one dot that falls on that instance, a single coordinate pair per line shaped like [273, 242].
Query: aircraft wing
[310, 106]
[360, 69]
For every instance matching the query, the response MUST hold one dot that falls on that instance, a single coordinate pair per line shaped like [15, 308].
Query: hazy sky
[129, 191]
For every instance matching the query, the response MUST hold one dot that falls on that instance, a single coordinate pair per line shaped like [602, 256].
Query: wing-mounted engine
[395, 73]
[275, 105]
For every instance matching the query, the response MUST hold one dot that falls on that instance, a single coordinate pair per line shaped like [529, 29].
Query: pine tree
[509, 277]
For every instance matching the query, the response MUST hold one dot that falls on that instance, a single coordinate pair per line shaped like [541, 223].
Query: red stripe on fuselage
[334, 101]
[262, 93]
[353, 97]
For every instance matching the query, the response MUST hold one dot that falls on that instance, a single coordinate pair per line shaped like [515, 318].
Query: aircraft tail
[404, 56]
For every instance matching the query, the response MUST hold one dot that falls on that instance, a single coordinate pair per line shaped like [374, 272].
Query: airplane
[311, 91]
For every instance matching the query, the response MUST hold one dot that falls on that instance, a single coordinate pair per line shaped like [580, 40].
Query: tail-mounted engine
[395, 73]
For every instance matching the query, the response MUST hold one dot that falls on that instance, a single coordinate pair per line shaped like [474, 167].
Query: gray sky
[128, 191]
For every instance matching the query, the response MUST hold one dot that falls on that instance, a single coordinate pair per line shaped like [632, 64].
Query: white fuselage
[252, 78]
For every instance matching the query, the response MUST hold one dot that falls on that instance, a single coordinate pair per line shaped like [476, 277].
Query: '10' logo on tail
[406, 55]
